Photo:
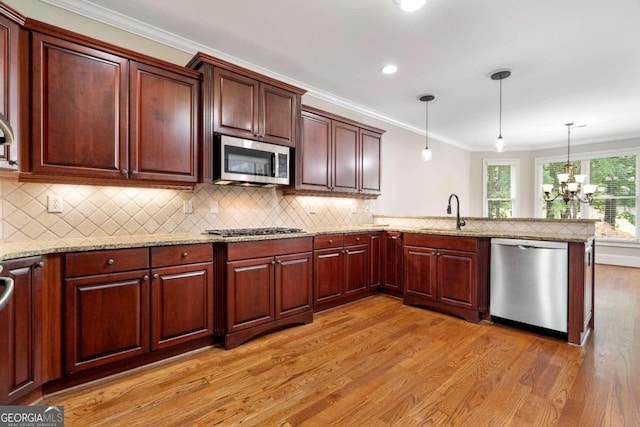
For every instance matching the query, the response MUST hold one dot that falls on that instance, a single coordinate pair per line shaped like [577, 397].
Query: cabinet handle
[155, 276]
[13, 162]
[145, 278]
[40, 264]
[394, 237]
[110, 261]
[135, 172]
[357, 239]
[185, 254]
[124, 171]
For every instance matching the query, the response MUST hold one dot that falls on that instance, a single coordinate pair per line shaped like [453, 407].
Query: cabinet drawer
[328, 241]
[467, 244]
[356, 239]
[165, 256]
[267, 248]
[108, 261]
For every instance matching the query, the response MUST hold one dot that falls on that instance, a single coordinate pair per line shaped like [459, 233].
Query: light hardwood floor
[377, 363]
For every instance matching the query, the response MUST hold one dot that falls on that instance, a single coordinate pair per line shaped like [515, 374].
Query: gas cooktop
[237, 232]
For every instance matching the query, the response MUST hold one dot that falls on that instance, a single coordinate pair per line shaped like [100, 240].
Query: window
[615, 201]
[500, 196]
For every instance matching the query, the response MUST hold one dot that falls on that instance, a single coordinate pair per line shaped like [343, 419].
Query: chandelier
[571, 185]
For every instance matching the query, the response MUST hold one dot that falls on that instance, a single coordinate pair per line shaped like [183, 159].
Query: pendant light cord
[426, 130]
[500, 133]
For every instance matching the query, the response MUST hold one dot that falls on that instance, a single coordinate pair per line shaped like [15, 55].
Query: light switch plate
[213, 207]
[187, 206]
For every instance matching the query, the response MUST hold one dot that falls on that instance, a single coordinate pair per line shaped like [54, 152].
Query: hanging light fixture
[571, 185]
[500, 145]
[426, 152]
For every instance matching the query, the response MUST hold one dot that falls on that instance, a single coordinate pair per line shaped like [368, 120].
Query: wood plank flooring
[379, 363]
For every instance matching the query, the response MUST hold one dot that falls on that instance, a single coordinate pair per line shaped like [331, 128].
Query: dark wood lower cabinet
[392, 263]
[21, 331]
[107, 318]
[443, 273]
[267, 286]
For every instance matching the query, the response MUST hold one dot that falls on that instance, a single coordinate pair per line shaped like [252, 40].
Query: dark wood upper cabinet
[164, 124]
[79, 109]
[107, 116]
[336, 156]
[242, 103]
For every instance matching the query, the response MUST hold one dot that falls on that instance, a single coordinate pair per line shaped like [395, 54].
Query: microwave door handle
[275, 165]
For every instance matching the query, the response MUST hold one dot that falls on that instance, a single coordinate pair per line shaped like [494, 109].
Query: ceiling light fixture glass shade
[427, 155]
[389, 69]
[409, 5]
[500, 145]
[571, 185]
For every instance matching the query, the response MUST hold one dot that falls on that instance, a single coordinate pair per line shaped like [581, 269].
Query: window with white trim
[615, 202]
[500, 188]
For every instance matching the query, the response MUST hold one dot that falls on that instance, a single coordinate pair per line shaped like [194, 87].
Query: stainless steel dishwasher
[530, 282]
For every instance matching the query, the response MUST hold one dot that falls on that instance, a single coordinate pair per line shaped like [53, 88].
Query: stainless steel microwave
[243, 161]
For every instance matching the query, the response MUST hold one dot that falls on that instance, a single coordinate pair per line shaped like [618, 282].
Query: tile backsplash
[90, 211]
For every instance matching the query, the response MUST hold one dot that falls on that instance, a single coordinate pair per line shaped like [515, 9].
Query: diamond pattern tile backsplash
[90, 211]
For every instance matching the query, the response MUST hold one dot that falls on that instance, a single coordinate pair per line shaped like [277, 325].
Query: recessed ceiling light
[389, 69]
[410, 5]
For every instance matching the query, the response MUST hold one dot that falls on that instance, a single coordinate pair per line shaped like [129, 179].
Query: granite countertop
[41, 247]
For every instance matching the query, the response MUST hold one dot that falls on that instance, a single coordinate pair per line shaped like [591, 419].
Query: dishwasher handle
[7, 292]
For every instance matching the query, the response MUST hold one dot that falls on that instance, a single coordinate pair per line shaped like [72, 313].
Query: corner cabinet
[102, 115]
[336, 157]
[267, 285]
[447, 273]
[21, 331]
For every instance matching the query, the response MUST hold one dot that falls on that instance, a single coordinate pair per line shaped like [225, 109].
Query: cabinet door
[392, 261]
[277, 115]
[107, 318]
[235, 99]
[375, 264]
[13, 88]
[79, 116]
[457, 280]
[344, 157]
[329, 274]
[181, 304]
[370, 161]
[356, 269]
[20, 331]
[163, 125]
[420, 272]
[314, 155]
[250, 293]
[294, 294]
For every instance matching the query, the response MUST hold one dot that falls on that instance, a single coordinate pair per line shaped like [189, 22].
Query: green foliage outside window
[499, 191]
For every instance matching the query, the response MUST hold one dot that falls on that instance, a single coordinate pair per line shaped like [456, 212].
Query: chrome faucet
[459, 222]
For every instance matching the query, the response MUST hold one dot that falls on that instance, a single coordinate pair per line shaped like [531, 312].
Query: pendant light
[500, 144]
[426, 152]
[409, 5]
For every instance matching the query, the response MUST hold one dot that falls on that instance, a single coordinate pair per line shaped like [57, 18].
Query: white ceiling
[571, 60]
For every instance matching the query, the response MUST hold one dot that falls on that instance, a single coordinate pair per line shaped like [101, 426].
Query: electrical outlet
[213, 207]
[187, 206]
[54, 204]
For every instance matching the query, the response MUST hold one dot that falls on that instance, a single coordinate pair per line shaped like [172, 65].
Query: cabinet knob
[40, 264]
[330, 241]
[185, 254]
[110, 261]
[273, 262]
[357, 239]
[124, 171]
[135, 172]
[145, 278]
[155, 276]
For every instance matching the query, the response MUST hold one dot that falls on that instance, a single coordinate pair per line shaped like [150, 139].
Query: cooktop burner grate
[237, 232]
